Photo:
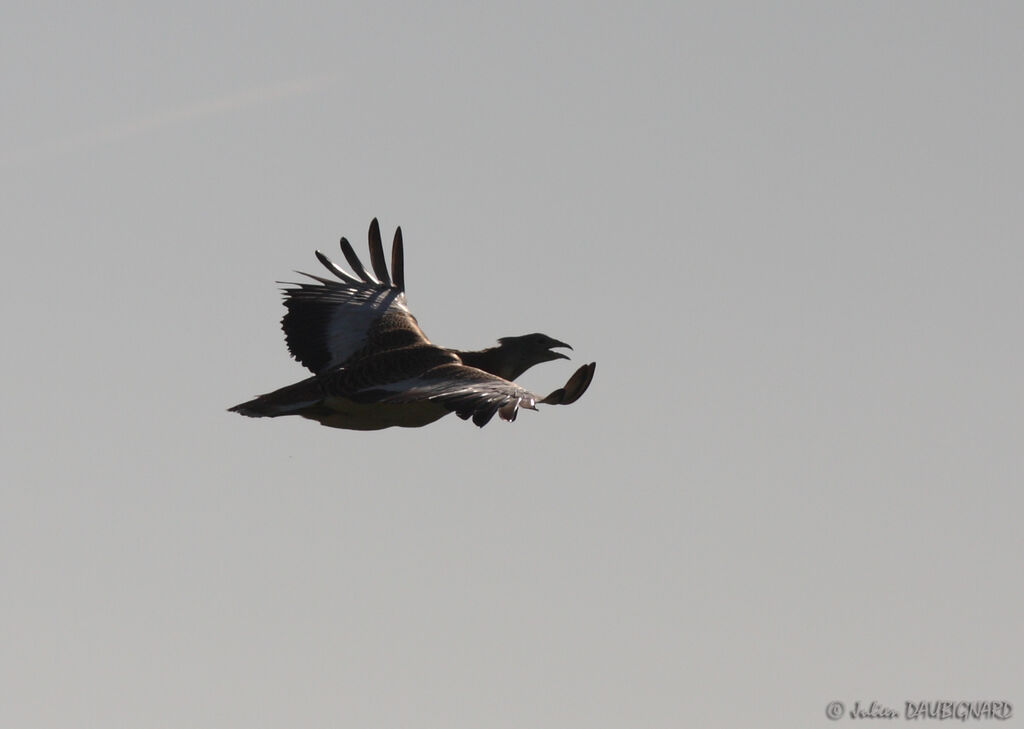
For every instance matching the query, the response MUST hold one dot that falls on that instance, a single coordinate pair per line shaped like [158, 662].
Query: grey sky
[789, 234]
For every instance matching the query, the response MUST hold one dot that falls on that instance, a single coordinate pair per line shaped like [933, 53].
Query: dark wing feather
[353, 260]
[333, 268]
[330, 321]
[574, 388]
[398, 260]
[377, 254]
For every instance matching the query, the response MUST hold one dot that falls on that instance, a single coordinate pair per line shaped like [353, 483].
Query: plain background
[789, 234]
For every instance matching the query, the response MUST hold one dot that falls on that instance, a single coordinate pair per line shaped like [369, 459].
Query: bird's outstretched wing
[328, 322]
[473, 393]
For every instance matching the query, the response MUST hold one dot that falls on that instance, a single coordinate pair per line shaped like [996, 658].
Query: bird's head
[530, 349]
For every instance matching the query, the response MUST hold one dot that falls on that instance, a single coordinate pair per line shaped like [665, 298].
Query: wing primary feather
[573, 389]
[357, 265]
[509, 410]
[380, 267]
[333, 268]
[321, 279]
[483, 417]
[398, 260]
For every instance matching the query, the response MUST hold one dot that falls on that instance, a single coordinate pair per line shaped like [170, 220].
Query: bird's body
[310, 399]
[373, 366]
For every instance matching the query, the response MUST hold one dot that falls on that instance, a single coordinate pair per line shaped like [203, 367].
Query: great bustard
[374, 368]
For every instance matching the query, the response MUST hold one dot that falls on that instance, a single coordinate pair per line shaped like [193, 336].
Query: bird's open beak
[559, 355]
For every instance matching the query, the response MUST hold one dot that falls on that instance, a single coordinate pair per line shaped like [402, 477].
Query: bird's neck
[499, 361]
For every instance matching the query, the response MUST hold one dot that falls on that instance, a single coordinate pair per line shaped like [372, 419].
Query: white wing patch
[330, 320]
[349, 325]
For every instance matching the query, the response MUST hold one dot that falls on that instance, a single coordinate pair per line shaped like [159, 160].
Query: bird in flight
[373, 367]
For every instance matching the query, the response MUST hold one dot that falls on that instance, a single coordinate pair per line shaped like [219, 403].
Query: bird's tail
[290, 400]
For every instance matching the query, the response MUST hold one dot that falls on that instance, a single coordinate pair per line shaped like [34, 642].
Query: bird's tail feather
[290, 400]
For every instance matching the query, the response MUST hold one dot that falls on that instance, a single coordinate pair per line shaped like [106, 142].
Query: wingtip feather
[575, 387]
[377, 253]
[398, 260]
[353, 260]
[334, 268]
